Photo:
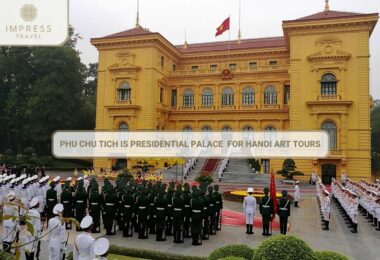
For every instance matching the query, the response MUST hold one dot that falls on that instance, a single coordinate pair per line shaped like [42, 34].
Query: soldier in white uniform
[314, 177]
[101, 247]
[344, 178]
[9, 225]
[84, 242]
[57, 230]
[326, 208]
[35, 220]
[297, 194]
[41, 193]
[249, 208]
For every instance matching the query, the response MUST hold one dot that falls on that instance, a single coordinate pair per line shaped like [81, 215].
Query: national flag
[272, 190]
[225, 26]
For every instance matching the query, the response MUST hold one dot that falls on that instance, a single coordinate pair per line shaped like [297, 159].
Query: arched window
[206, 128]
[248, 128]
[188, 98]
[248, 96]
[123, 126]
[207, 97]
[330, 128]
[270, 128]
[328, 84]
[187, 129]
[227, 128]
[124, 92]
[270, 95]
[228, 97]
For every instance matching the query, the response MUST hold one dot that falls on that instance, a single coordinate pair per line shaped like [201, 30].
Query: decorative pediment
[328, 40]
[329, 53]
[124, 67]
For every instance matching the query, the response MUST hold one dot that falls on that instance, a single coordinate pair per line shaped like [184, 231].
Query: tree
[289, 169]
[375, 137]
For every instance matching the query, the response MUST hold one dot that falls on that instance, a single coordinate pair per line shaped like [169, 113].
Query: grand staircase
[210, 166]
[170, 174]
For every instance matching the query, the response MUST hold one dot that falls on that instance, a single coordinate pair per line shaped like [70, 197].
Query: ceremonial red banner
[272, 189]
[225, 26]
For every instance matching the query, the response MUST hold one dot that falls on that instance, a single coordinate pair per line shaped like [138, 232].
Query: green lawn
[121, 257]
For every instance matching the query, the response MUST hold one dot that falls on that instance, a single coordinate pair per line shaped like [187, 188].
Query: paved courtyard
[305, 223]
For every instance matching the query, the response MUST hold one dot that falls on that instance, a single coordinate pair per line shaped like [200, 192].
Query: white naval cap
[11, 195]
[250, 189]
[101, 246]
[69, 178]
[297, 182]
[23, 176]
[58, 208]
[41, 180]
[86, 222]
[56, 178]
[34, 202]
[80, 178]
[13, 181]
[34, 177]
[25, 181]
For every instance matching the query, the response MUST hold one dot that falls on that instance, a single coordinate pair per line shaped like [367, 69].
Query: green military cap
[139, 186]
[149, 185]
[284, 193]
[186, 188]
[210, 189]
[164, 186]
[52, 184]
[193, 188]
[216, 187]
[266, 190]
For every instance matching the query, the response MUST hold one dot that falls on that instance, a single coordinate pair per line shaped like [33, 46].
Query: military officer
[58, 187]
[283, 211]
[249, 208]
[196, 217]
[128, 203]
[35, 220]
[56, 231]
[67, 201]
[152, 193]
[101, 247]
[110, 204]
[169, 211]
[266, 211]
[142, 213]
[297, 194]
[218, 207]
[94, 205]
[161, 203]
[9, 225]
[187, 210]
[326, 208]
[51, 200]
[80, 202]
[211, 210]
[84, 242]
[205, 215]
[178, 217]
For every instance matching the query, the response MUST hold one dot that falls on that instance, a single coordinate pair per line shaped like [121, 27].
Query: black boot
[375, 222]
[378, 228]
[296, 204]
[355, 228]
[247, 226]
[251, 229]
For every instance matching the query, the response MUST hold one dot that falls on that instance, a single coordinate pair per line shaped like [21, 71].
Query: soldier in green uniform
[51, 200]
[95, 204]
[211, 210]
[218, 207]
[67, 201]
[142, 213]
[105, 188]
[196, 217]
[110, 205]
[266, 211]
[161, 203]
[283, 211]
[205, 215]
[152, 193]
[127, 209]
[178, 216]
[187, 210]
[80, 202]
[169, 210]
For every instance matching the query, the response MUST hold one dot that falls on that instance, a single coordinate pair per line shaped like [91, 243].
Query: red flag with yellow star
[225, 26]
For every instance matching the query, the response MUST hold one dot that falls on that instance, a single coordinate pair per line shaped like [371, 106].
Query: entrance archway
[328, 172]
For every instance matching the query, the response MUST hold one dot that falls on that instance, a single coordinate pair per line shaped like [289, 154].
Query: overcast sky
[96, 18]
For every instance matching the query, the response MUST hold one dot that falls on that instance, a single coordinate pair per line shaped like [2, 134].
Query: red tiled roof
[131, 32]
[328, 15]
[271, 42]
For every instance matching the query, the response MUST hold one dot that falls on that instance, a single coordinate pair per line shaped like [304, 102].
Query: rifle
[67, 240]
[39, 243]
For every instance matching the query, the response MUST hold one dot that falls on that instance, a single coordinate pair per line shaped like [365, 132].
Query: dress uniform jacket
[249, 208]
[84, 247]
[56, 238]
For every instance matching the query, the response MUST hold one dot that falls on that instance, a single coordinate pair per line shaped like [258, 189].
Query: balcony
[249, 108]
[260, 69]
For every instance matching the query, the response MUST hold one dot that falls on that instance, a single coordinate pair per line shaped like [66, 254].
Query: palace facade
[315, 76]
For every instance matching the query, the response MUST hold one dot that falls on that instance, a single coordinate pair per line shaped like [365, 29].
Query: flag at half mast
[225, 26]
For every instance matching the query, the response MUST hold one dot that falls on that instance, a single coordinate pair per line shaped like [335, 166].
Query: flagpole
[229, 43]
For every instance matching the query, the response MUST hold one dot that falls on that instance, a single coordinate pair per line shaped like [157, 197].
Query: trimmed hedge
[284, 248]
[329, 255]
[232, 258]
[241, 251]
[150, 254]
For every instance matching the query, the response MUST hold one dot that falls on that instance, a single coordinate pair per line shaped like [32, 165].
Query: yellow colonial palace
[315, 76]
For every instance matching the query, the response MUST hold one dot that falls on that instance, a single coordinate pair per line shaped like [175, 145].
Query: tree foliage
[375, 137]
[289, 169]
[43, 90]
